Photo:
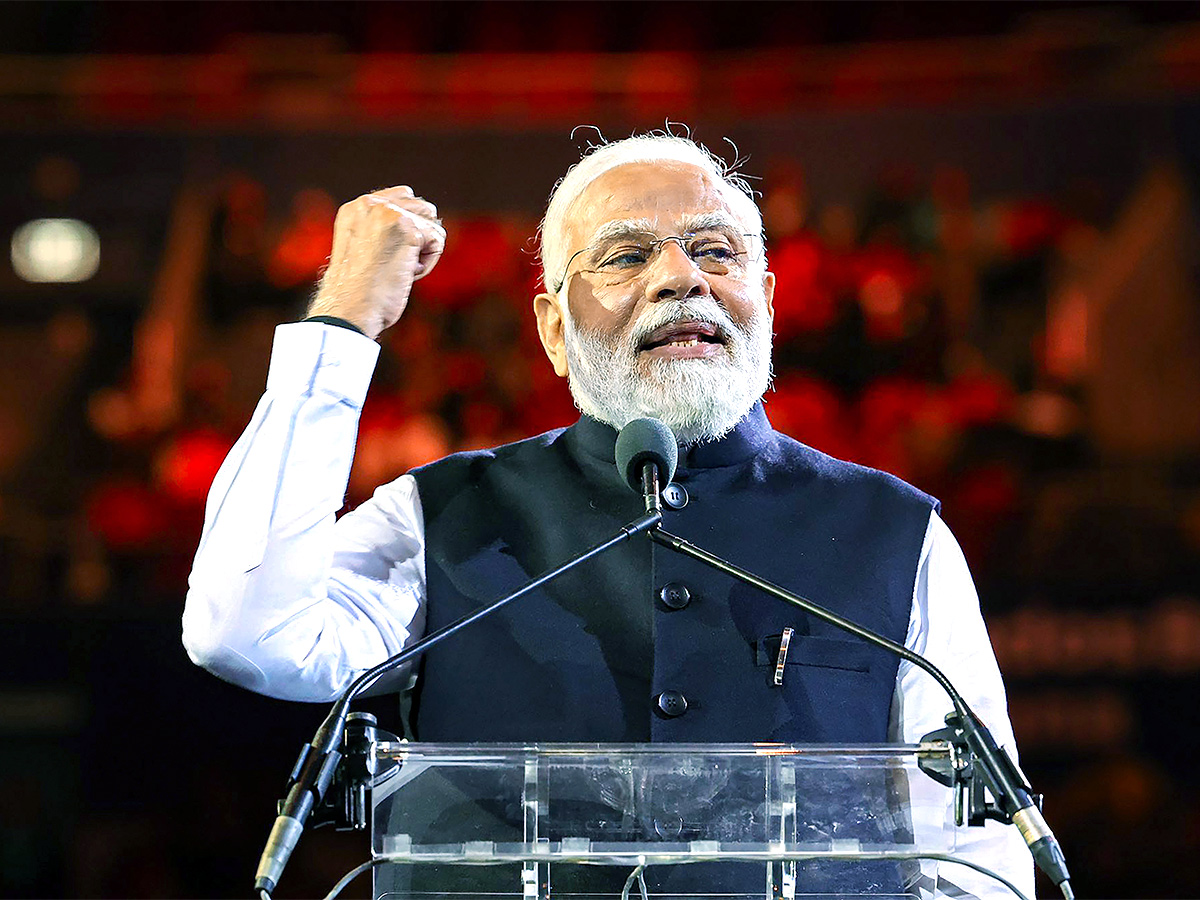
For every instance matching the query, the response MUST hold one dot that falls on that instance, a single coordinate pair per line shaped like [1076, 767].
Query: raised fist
[382, 243]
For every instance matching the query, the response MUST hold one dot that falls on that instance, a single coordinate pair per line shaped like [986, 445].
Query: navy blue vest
[585, 658]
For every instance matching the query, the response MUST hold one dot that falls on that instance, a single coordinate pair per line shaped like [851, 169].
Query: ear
[769, 293]
[550, 330]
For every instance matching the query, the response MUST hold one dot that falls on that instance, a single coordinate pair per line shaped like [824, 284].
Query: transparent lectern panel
[735, 821]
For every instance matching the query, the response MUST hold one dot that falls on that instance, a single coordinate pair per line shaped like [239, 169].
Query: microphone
[646, 455]
[650, 446]
[645, 451]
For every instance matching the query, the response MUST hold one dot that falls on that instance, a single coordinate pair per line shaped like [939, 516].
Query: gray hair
[651, 147]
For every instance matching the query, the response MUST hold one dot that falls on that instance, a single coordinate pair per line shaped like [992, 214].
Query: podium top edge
[587, 749]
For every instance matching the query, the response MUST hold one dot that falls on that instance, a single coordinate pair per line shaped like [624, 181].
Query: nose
[673, 275]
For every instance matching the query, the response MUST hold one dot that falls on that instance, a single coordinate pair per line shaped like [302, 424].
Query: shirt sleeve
[946, 627]
[285, 599]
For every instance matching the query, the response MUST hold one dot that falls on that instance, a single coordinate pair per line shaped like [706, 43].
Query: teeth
[690, 342]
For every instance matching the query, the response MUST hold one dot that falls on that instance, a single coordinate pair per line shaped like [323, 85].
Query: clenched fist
[382, 243]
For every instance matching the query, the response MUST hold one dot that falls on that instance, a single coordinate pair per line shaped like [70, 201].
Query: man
[658, 302]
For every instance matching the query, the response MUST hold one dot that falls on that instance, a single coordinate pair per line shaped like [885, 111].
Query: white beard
[699, 399]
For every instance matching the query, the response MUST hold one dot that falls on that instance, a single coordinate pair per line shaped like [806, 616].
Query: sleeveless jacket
[641, 644]
[592, 656]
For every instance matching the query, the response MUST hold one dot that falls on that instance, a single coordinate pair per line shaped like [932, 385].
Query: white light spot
[55, 250]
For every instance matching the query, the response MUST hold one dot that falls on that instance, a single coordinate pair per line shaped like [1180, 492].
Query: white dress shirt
[288, 601]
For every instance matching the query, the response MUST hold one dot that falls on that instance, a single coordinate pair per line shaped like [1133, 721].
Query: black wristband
[334, 320]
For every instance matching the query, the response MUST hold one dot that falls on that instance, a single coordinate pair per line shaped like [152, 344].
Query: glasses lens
[716, 253]
[630, 258]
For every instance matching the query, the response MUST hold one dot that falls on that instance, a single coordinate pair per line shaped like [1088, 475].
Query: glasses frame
[656, 243]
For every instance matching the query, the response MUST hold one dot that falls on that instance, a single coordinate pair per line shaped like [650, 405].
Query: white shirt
[288, 601]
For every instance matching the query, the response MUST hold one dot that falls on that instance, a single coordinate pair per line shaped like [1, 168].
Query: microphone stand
[315, 769]
[318, 761]
[1017, 804]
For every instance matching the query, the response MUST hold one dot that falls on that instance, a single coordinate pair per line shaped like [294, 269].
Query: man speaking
[657, 302]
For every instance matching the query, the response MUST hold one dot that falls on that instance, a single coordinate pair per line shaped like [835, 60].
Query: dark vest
[586, 658]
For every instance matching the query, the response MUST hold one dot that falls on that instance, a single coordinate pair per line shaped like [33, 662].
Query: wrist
[334, 320]
[350, 314]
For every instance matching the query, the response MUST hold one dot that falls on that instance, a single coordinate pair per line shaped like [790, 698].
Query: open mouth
[683, 336]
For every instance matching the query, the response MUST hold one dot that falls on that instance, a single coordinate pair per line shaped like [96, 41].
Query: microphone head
[643, 441]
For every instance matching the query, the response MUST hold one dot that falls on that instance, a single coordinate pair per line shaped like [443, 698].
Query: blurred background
[983, 219]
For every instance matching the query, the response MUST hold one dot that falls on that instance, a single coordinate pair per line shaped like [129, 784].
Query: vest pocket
[809, 650]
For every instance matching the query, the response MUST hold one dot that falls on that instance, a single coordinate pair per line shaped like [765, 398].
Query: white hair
[652, 147]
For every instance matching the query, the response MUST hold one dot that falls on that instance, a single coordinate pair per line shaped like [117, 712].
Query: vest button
[675, 596]
[675, 495]
[671, 704]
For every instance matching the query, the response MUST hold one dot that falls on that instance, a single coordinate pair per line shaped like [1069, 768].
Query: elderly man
[658, 302]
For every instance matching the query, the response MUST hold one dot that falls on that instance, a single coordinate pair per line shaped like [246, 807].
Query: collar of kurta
[751, 436]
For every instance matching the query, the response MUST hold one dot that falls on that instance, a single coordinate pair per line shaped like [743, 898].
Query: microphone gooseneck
[638, 462]
[651, 446]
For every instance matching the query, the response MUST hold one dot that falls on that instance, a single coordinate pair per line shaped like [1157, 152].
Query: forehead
[662, 193]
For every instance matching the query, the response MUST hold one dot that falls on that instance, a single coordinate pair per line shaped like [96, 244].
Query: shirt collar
[749, 438]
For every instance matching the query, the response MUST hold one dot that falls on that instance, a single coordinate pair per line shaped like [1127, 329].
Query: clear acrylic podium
[724, 820]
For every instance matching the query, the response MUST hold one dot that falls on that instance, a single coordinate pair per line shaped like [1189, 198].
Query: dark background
[982, 217]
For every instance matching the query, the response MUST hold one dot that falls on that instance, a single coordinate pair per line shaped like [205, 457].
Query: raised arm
[282, 599]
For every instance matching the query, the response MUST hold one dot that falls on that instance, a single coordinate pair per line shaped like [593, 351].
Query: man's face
[681, 332]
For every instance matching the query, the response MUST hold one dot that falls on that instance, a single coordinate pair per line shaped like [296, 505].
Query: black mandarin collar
[751, 436]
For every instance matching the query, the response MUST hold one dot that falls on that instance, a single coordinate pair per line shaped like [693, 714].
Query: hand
[382, 243]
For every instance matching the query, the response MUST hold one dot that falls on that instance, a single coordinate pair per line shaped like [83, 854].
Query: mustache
[699, 309]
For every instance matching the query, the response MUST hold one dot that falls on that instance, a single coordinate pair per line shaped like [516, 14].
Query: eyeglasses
[624, 259]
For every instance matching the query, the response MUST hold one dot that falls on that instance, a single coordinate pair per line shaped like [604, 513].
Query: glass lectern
[659, 820]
